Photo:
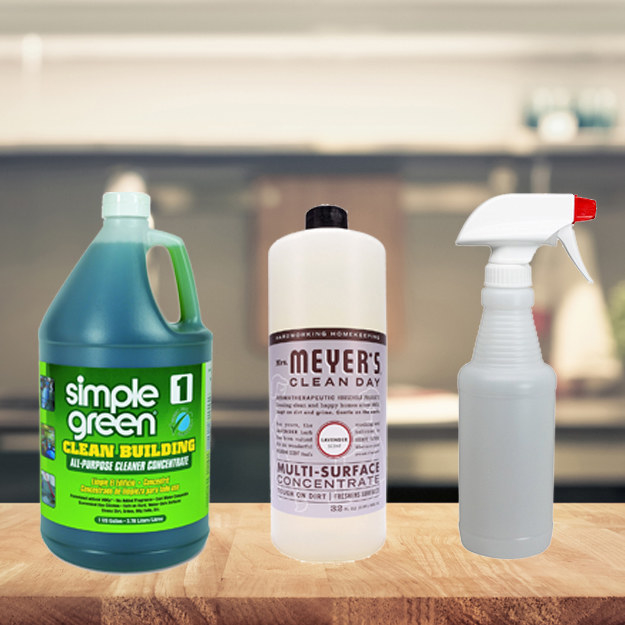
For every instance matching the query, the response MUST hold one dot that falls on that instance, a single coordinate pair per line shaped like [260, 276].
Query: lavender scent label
[328, 421]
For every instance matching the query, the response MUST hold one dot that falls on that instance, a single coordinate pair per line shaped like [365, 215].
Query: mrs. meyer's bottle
[327, 387]
[125, 405]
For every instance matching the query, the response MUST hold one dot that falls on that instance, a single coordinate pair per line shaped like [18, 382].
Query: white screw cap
[508, 276]
[125, 204]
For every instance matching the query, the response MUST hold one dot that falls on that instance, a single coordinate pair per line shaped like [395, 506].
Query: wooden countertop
[422, 575]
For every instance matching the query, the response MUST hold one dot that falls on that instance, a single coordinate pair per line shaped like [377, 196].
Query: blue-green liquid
[105, 316]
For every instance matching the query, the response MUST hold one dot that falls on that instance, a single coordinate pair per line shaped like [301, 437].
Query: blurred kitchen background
[237, 116]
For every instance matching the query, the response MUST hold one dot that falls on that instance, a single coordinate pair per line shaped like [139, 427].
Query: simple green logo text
[110, 401]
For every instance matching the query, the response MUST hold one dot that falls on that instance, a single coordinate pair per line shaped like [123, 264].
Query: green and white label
[124, 450]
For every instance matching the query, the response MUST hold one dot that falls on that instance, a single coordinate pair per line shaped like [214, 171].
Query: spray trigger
[569, 242]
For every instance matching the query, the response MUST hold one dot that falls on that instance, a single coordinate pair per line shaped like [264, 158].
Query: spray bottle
[507, 393]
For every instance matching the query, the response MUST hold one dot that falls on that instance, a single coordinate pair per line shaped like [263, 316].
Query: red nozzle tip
[585, 209]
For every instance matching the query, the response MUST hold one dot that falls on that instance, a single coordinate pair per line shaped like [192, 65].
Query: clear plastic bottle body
[319, 278]
[506, 433]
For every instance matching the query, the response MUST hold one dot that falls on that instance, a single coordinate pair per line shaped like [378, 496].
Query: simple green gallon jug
[124, 405]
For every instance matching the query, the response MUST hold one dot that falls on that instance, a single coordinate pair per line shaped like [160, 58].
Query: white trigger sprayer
[517, 224]
[506, 426]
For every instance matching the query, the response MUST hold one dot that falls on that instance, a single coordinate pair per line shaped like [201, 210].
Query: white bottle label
[328, 421]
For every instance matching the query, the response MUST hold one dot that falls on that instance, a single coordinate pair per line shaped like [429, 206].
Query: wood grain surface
[422, 575]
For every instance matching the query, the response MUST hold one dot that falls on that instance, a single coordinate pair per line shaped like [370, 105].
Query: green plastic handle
[187, 292]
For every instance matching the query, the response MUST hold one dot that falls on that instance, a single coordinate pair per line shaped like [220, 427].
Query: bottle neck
[507, 334]
[120, 229]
